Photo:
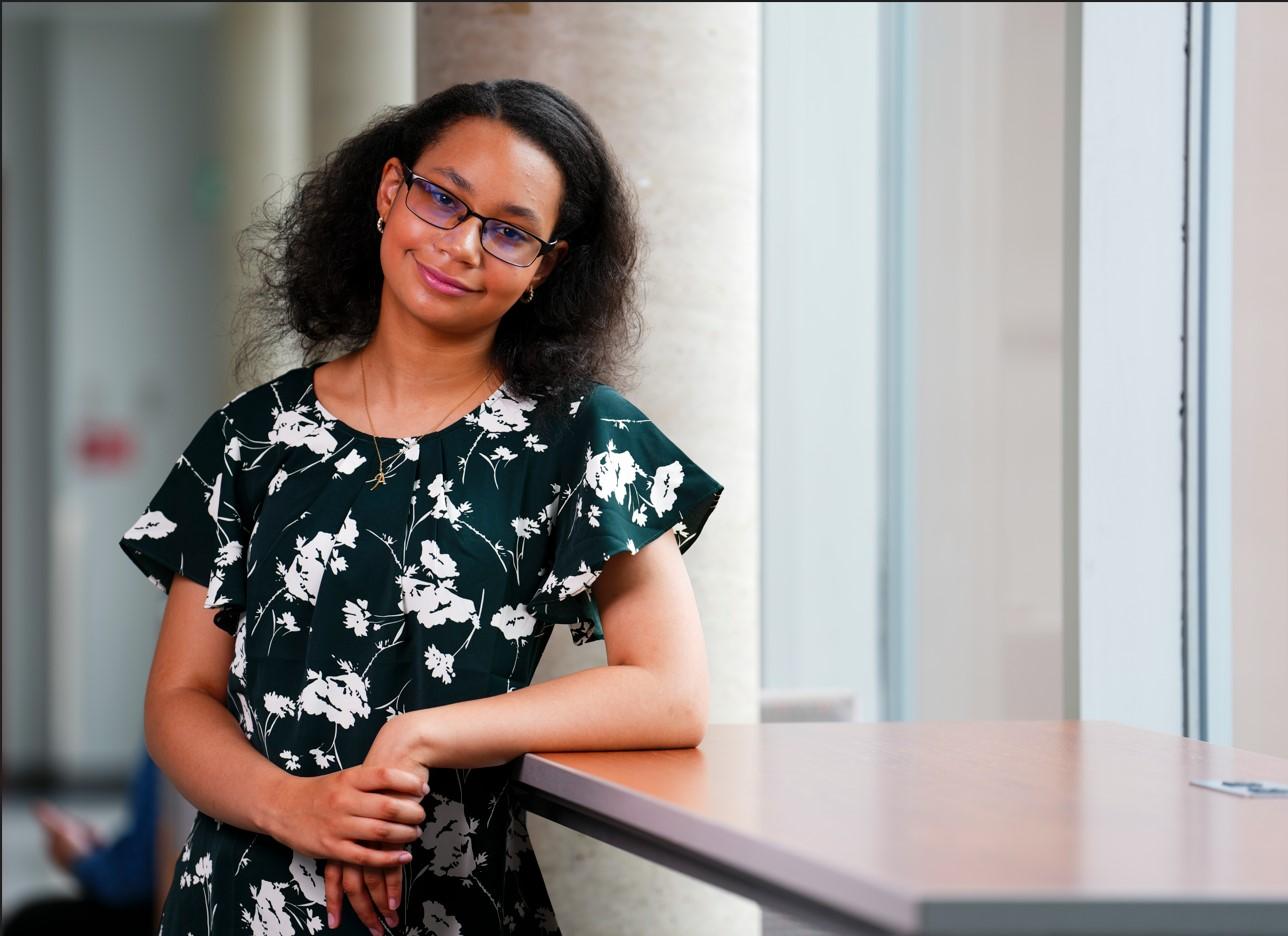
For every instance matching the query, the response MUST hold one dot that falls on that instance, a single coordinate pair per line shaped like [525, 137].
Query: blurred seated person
[116, 881]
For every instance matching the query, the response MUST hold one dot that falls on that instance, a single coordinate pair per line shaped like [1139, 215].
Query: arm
[198, 744]
[191, 734]
[652, 694]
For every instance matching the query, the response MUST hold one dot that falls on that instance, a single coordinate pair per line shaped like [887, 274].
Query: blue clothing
[124, 872]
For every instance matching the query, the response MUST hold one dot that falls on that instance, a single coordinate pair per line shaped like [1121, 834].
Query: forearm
[621, 707]
[198, 744]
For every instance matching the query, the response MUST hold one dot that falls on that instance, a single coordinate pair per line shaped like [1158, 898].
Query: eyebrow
[459, 181]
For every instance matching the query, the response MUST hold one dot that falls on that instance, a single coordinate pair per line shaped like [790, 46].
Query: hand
[332, 816]
[375, 891]
[67, 838]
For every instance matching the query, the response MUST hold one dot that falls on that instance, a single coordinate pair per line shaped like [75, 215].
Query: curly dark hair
[315, 263]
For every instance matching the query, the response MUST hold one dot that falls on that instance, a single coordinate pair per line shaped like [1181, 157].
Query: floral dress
[349, 604]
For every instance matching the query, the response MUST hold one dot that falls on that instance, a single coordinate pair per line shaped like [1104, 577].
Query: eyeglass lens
[438, 207]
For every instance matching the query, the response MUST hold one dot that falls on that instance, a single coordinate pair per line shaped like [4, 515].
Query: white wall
[1260, 410]
[988, 227]
[820, 351]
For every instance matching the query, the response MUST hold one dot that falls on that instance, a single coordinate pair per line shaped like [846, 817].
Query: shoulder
[259, 405]
[602, 402]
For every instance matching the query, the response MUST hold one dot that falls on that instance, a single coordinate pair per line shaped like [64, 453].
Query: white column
[1124, 317]
[675, 90]
[361, 59]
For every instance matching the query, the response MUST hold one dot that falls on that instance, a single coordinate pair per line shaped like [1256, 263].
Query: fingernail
[330, 919]
[404, 857]
[375, 931]
[393, 902]
[424, 788]
[392, 921]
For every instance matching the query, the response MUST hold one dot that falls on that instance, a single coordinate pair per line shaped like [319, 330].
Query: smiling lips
[441, 282]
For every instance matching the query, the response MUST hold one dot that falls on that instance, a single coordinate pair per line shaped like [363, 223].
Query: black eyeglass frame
[546, 246]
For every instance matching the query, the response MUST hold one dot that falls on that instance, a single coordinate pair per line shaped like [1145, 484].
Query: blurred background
[999, 394]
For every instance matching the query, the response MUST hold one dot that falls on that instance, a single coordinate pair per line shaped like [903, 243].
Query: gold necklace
[379, 479]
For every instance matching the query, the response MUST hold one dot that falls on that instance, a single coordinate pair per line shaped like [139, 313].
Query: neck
[408, 369]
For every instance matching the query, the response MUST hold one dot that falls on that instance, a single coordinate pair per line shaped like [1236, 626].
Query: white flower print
[304, 576]
[438, 922]
[434, 603]
[630, 544]
[513, 622]
[247, 718]
[212, 498]
[292, 760]
[524, 527]
[278, 705]
[443, 506]
[314, 923]
[503, 413]
[640, 516]
[203, 868]
[153, 525]
[238, 666]
[275, 483]
[439, 664]
[592, 515]
[350, 462]
[322, 759]
[447, 838]
[610, 472]
[213, 598]
[666, 481]
[339, 698]
[287, 620]
[356, 617]
[534, 443]
[574, 584]
[436, 561]
[270, 917]
[233, 448]
[229, 553]
[295, 428]
[304, 871]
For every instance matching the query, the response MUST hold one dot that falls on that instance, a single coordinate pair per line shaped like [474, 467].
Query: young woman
[386, 539]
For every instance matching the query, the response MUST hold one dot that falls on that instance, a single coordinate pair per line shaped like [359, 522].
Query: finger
[334, 893]
[393, 886]
[407, 811]
[390, 778]
[356, 889]
[358, 853]
[375, 881]
[380, 832]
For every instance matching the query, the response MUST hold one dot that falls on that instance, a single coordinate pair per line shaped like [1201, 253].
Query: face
[497, 173]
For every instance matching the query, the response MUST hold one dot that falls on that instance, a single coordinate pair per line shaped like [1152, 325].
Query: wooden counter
[946, 827]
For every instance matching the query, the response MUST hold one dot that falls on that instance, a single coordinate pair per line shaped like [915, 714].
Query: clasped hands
[357, 818]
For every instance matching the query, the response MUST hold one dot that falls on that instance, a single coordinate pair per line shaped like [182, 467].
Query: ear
[548, 263]
[391, 180]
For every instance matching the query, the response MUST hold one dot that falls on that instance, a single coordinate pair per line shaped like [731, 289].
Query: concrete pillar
[675, 90]
[262, 64]
[360, 61]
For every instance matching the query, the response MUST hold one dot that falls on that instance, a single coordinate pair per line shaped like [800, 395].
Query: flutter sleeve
[623, 484]
[193, 525]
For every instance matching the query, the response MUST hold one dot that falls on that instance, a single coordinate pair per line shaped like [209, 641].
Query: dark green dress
[350, 605]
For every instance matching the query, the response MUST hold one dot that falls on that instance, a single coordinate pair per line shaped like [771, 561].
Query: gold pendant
[379, 479]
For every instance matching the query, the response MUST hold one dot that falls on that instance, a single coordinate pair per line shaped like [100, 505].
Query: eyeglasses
[434, 205]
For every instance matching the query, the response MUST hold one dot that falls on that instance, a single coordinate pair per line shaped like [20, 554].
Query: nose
[465, 241]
